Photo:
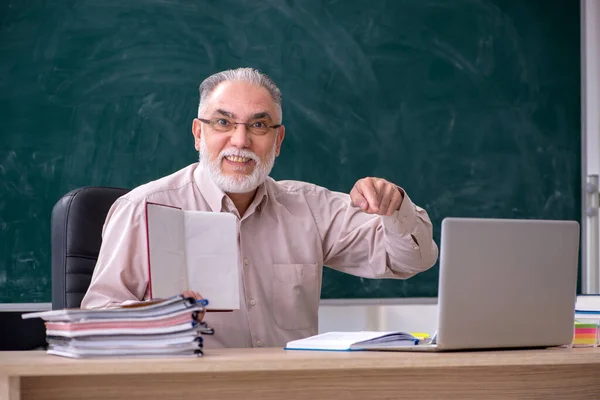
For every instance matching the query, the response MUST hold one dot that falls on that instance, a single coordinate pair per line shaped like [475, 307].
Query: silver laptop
[505, 284]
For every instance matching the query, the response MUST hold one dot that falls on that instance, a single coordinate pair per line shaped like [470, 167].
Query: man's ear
[279, 139]
[197, 132]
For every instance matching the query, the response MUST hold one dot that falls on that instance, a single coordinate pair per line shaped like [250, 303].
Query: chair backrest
[77, 222]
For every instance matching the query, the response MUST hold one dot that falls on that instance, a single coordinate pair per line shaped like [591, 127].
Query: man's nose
[240, 137]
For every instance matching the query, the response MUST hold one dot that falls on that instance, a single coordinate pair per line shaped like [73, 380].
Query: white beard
[236, 184]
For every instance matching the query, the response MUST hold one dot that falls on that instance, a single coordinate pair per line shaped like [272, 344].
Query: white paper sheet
[166, 240]
[212, 258]
[194, 250]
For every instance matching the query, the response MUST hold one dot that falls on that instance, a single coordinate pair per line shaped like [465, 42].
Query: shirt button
[259, 343]
[403, 220]
[416, 246]
[252, 302]
[246, 261]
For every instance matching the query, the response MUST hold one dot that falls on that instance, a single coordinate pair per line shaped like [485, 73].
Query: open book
[364, 340]
[193, 250]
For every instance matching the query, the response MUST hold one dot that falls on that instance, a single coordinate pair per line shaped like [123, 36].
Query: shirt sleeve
[121, 272]
[373, 246]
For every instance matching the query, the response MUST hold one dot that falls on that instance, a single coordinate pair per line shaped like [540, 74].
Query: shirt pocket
[296, 293]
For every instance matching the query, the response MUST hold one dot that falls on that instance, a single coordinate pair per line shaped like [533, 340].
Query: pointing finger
[358, 200]
[367, 189]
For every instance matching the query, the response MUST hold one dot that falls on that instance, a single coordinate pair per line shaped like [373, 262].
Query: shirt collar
[260, 199]
[209, 190]
[214, 195]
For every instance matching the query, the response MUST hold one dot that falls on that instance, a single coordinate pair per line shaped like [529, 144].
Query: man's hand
[196, 296]
[376, 196]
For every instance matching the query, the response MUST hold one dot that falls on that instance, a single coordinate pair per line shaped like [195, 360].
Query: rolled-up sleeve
[373, 246]
[121, 273]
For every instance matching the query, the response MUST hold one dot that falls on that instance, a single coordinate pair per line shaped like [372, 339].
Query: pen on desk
[434, 338]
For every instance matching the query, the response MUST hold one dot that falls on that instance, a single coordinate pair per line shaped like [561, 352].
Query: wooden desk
[277, 374]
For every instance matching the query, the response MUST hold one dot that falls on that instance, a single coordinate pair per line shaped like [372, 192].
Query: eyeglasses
[258, 127]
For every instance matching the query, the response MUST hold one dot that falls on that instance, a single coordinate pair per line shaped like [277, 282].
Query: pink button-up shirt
[288, 233]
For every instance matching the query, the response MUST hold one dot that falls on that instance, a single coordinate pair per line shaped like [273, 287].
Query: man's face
[238, 160]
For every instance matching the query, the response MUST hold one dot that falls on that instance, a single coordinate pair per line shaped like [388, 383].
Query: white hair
[249, 75]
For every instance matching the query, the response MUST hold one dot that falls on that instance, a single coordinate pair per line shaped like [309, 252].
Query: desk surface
[38, 363]
[266, 373]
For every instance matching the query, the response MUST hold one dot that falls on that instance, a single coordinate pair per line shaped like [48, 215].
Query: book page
[588, 302]
[334, 340]
[211, 242]
[168, 273]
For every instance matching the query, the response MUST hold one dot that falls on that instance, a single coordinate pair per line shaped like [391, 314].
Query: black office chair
[77, 221]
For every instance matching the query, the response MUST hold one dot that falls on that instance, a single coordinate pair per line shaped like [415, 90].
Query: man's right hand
[195, 295]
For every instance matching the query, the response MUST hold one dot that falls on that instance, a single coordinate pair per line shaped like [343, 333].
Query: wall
[417, 316]
[402, 317]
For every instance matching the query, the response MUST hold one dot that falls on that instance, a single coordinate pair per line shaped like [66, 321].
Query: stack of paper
[157, 328]
[587, 320]
[585, 333]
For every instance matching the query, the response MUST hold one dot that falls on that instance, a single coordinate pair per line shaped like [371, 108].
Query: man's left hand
[376, 196]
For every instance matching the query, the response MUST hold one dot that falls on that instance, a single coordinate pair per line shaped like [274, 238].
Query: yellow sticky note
[420, 335]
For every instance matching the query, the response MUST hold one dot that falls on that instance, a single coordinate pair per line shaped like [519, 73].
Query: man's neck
[242, 201]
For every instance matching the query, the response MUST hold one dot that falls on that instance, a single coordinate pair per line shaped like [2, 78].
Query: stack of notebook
[587, 320]
[169, 327]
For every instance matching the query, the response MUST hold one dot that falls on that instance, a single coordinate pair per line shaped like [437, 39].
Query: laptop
[505, 283]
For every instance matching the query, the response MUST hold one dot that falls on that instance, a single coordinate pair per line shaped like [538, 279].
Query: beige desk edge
[38, 363]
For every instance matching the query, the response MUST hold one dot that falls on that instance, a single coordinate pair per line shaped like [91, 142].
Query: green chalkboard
[473, 106]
